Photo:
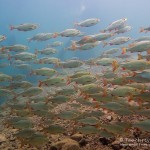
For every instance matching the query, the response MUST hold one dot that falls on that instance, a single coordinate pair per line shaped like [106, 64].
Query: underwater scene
[74, 75]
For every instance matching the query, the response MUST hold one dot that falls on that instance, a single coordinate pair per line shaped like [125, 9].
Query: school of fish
[118, 80]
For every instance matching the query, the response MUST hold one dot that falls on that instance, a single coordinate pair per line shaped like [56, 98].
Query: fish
[21, 84]
[70, 64]
[5, 77]
[123, 29]
[111, 51]
[137, 47]
[69, 33]
[93, 38]
[104, 61]
[143, 38]
[88, 22]
[24, 56]
[116, 24]
[122, 91]
[24, 27]
[147, 29]
[2, 38]
[42, 37]
[54, 81]
[102, 36]
[4, 65]
[85, 79]
[17, 48]
[86, 46]
[54, 44]
[44, 72]
[134, 65]
[117, 41]
[6, 93]
[23, 66]
[49, 60]
[147, 57]
[31, 91]
[46, 51]
[90, 89]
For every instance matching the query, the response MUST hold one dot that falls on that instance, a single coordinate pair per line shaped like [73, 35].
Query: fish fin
[104, 80]
[11, 27]
[68, 80]
[40, 61]
[123, 68]
[36, 51]
[75, 85]
[86, 38]
[123, 50]
[148, 51]
[104, 92]
[134, 74]
[57, 65]
[73, 45]
[130, 97]
[104, 44]
[40, 84]
[131, 45]
[102, 31]
[55, 35]
[9, 57]
[3, 48]
[142, 29]
[115, 65]
[140, 57]
[76, 24]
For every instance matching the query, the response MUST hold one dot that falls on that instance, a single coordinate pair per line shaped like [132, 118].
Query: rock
[137, 133]
[53, 148]
[116, 145]
[82, 142]
[109, 118]
[2, 138]
[106, 141]
[67, 144]
[77, 137]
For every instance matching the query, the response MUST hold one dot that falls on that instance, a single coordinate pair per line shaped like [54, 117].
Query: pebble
[2, 138]
[83, 142]
[77, 137]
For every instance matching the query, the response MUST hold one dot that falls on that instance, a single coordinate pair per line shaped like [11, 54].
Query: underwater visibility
[74, 75]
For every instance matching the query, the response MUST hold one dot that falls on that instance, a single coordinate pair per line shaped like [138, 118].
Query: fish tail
[57, 64]
[105, 44]
[9, 57]
[11, 27]
[73, 45]
[104, 80]
[115, 65]
[68, 80]
[142, 29]
[105, 92]
[55, 35]
[86, 38]
[76, 24]
[124, 50]
[36, 51]
[3, 48]
[40, 84]
[148, 51]
[140, 57]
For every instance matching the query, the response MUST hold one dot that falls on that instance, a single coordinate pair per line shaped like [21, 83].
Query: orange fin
[124, 50]
[142, 30]
[115, 65]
